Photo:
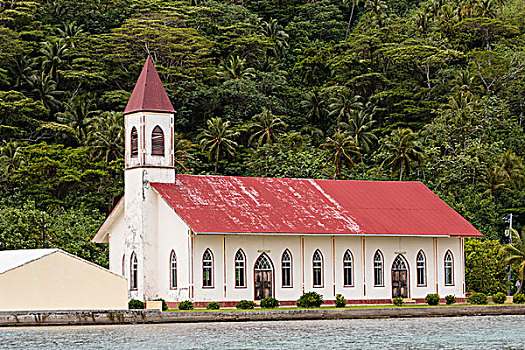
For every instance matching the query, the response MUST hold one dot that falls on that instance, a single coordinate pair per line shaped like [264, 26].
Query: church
[224, 238]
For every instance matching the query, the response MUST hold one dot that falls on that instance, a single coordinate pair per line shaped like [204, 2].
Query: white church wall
[324, 245]
[173, 236]
[342, 244]
[165, 122]
[116, 242]
[454, 245]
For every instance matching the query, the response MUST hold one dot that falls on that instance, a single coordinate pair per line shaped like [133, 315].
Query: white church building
[221, 238]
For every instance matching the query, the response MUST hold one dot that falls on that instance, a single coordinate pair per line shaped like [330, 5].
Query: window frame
[124, 265]
[243, 267]
[290, 268]
[211, 267]
[352, 280]
[172, 270]
[158, 142]
[451, 267]
[134, 143]
[424, 267]
[321, 267]
[133, 272]
[382, 268]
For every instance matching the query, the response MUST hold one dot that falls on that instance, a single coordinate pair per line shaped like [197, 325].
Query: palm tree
[516, 252]
[10, 158]
[265, 127]
[354, 2]
[359, 126]
[78, 114]
[182, 149]
[21, 70]
[106, 136]
[217, 139]
[44, 88]
[378, 10]
[403, 150]
[512, 168]
[314, 104]
[275, 32]
[234, 68]
[69, 32]
[55, 56]
[493, 181]
[343, 104]
[338, 149]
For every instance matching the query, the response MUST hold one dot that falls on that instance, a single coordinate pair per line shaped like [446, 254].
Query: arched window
[240, 269]
[378, 269]
[348, 269]
[207, 269]
[134, 274]
[421, 269]
[134, 143]
[173, 270]
[123, 264]
[286, 268]
[157, 142]
[449, 268]
[318, 268]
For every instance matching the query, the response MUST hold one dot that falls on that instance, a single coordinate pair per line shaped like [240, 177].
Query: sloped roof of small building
[229, 205]
[149, 94]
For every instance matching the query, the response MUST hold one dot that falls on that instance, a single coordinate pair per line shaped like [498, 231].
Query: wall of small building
[61, 282]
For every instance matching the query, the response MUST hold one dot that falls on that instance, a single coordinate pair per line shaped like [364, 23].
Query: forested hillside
[430, 91]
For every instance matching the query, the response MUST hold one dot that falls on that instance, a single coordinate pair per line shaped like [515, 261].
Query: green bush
[499, 298]
[186, 305]
[245, 304]
[135, 304]
[451, 299]
[398, 301]
[478, 299]
[518, 298]
[310, 299]
[213, 306]
[164, 304]
[432, 299]
[340, 301]
[269, 303]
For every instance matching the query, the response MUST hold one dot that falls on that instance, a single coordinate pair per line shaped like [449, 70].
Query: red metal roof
[149, 94]
[227, 204]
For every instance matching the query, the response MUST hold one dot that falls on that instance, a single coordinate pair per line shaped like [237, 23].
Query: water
[497, 332]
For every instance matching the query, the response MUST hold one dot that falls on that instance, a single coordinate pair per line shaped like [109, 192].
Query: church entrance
[263, 277]
[399, 278]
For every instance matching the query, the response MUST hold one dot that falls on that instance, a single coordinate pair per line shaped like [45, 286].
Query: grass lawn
[350, 307]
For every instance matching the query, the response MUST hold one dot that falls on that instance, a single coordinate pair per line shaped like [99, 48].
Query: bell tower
[149, 120]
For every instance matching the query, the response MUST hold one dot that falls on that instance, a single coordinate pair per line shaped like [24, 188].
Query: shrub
[213, 306]
[398, 301]
[310, 299]
[245, 304]
[135, 304]
[478, 299]
[340, 301]
[186, 305]
[432, 299]
[451, 299]
[518, 298]
[164, 304]
[499, 298]
[269, 303]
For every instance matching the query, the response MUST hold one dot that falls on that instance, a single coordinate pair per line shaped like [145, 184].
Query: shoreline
[114, 317]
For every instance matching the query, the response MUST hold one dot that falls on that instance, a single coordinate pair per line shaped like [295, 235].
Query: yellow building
[51, 279]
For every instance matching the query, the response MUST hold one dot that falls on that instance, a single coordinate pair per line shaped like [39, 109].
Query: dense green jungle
[430, 91]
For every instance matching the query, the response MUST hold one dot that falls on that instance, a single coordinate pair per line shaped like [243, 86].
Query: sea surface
[487, 332]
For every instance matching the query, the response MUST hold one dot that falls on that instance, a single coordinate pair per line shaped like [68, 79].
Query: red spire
[149, 94]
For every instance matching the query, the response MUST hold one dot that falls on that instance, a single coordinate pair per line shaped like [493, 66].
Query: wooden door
[399, 284]
[263, 284]
[399, 278]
